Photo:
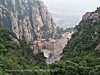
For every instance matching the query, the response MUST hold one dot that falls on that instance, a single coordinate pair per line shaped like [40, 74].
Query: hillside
[82, 54]
[28, 19]
[16, 55]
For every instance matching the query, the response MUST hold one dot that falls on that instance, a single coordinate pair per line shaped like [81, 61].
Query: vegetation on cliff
[81, 56]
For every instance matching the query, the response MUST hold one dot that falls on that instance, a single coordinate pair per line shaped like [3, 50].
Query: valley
[32, 44]
[53, 48]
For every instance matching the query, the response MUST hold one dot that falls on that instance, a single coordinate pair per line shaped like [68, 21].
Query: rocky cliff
[26, 18]
[95, 16]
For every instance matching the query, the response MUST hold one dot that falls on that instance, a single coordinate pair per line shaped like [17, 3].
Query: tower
[54, 46]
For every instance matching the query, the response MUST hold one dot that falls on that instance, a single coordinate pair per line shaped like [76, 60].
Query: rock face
[95, 16]
[98, 47]
[87, 14]
[14, 41]
[26, 18]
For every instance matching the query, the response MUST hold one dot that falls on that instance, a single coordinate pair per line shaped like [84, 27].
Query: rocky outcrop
[14, 41]
[26, 18]
[86, 15]
[94, 16]
[0, 13]
[97, 47]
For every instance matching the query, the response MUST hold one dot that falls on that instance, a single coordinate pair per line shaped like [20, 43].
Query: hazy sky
[71, 10]
[89, 5]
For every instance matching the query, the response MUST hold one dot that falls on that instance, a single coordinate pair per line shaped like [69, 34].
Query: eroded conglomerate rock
[26, 18]
[94, 16]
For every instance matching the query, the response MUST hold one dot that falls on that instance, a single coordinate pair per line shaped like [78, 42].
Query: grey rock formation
[89, 16]
[98, 47]
[86, 15]
[26, 18]
[15, 41]
[94, 16]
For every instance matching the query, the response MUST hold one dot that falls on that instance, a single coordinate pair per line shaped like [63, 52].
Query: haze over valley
[68, 13]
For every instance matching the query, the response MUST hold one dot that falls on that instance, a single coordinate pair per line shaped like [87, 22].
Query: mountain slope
[81, 56]
[26, 18]
[16, 56]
